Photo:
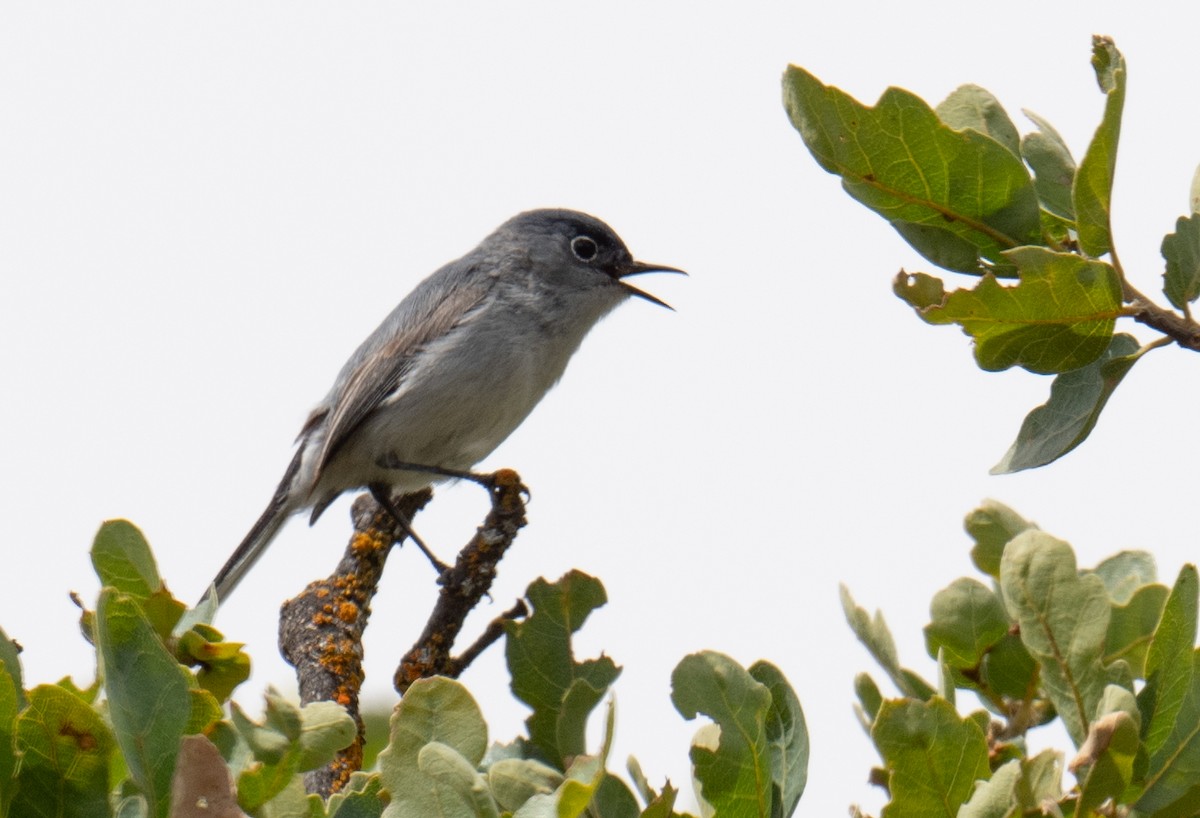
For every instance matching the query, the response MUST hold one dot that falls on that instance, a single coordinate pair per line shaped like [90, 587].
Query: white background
[205, 207]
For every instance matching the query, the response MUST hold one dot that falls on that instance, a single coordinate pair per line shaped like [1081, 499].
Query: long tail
[260, 536]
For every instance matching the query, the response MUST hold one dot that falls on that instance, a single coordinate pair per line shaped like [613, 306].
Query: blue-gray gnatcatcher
[455, 367]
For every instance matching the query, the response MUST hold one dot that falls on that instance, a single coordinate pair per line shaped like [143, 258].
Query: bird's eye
[584, 248]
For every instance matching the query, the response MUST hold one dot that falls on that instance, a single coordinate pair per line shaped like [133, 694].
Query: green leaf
[1041, 780]
[787, 737]
[1076, 400]
[148, 695]
[1132, 627]
[1064, 620]
[662, 805]
[447, 766]
[1169, 661]
[1170, 704]
[932, 755]
[1125, 572]
[1108, 755]
[513, 781]
[996, 797]
[970, 106]
[869, 698]
[8, 726]
[587, 786]
[362, 797]
[433, 710]
[545, 675]
[1054, 169]
[874, 634]
[65, 750]
[1092, 193]
[991, 526]
[966, 620]
[737, 775]
[267, 742]
[901, 161]
[1058, 318]
[1009, 670]
[122, 559]
[1181, 249]
[289, 741]
[223, 665]
[10, 655]
[326, 729]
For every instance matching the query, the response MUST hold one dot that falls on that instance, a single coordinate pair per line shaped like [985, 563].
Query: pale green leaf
[434, 709]
[1132, 627]
[450, 769]
[326, 729]
[966, 620]
[513, 781]
[873, 632]
[1064, 620]
[997, 796]
[362, 797]
[991, 526]
[1125, 572]
[1076, 400]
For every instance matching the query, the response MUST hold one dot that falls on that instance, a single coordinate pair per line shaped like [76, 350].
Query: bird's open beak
[637, 268]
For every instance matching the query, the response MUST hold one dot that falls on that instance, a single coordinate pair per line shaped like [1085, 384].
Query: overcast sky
[204, 208]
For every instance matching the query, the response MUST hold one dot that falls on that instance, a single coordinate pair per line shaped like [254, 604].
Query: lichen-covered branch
[464, 585]
[320, 631]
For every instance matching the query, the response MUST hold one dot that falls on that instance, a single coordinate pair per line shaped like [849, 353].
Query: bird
[453, 370]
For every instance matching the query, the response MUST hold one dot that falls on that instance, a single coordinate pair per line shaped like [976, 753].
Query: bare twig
[464, 585]
[320, 631]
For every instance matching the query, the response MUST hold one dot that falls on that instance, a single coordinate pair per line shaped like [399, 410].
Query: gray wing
[436, 307]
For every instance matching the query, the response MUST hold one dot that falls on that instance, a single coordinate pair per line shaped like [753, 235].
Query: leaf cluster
[1108, 652]
[973, 196]
[152, 737]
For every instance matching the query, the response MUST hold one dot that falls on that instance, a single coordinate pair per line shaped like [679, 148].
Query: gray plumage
[455, 368]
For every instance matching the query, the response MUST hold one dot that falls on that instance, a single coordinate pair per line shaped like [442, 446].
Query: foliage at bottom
[156, 733]
[1108, 653]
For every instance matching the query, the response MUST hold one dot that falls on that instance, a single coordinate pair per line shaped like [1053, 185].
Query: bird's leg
[382, 495]
[390, 461]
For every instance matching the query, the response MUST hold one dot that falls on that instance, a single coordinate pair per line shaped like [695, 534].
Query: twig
[1181, 329]
[464, 585]
[320, 631]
